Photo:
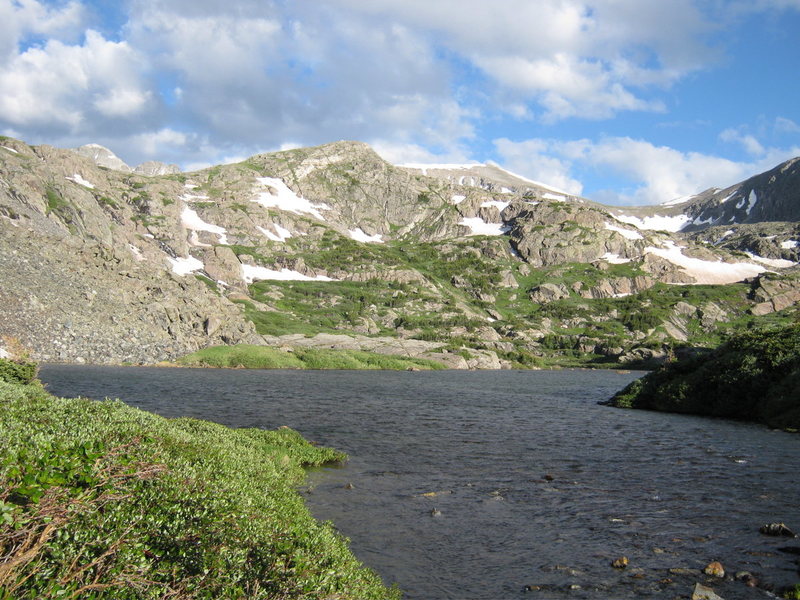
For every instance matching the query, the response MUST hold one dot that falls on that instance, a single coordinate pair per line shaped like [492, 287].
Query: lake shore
[102, 498]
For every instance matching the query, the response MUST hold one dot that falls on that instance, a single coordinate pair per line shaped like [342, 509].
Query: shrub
[12, 371]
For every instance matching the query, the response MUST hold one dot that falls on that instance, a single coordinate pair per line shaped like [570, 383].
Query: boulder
[548, 292]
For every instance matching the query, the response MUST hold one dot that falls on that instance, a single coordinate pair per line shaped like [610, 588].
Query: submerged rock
[777, 530]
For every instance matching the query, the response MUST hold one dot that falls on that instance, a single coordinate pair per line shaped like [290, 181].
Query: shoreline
[199, 508]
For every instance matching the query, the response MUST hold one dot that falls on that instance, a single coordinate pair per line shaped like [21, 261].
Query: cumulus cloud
[61, 87]
[536, 159]
[652, 174]
[21, 19]
[585, 58]
[750, 144]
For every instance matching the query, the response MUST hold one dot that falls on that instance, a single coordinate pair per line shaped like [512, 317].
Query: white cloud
[65, 86]
[750, 144]
[655, 174]
[19, 19]
[784, 125]
[574, 57]
[535, 159]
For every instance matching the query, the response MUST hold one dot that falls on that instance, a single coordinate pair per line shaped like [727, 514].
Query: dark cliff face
[770, 196]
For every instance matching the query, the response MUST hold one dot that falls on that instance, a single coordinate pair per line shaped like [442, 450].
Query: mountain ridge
[333, 239]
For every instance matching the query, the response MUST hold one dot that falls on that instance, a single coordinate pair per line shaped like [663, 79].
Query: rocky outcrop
[772, 292]
[548, 292]
[103, 157]
[153, 168]
[617, 287]
[102, 306]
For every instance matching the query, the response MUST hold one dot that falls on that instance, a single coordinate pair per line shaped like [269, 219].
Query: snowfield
[184, 266]
[284, 198]
[192, 221]
[251, 273]
[359, 236]
[656, 222]
[626, 233]
[281, 234]
[706, 271]
[481, 227]
[76, 178]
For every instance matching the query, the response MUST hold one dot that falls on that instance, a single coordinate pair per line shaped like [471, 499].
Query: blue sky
[622, 101]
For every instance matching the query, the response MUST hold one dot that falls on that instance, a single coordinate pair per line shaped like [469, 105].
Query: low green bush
[13, 371]
[754, 376]
[99, 500]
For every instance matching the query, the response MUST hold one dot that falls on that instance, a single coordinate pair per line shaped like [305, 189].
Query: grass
[261, 357]
[99, 500]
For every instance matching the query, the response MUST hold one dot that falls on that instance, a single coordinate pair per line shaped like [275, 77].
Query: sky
[621, 101]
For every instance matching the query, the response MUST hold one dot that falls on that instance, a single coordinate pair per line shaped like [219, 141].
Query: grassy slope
[101, 500]
[262, 357]
[754, 376]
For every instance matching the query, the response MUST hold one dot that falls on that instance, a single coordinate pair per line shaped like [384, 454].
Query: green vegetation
[261, 357]
[99, 500]
[13, 371]
[754, 376]
[793, 593]
[105, 201]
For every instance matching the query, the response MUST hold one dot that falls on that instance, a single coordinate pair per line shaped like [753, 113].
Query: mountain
[103, 157]
[333, 247]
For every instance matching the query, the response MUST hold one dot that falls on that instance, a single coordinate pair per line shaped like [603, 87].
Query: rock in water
[715, 569]
[702, 592]
[620, 563]
[777, 530]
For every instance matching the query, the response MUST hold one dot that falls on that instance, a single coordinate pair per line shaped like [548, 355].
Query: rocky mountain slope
[333, 247]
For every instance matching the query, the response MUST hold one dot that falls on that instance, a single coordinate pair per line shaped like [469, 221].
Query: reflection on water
[472, 485]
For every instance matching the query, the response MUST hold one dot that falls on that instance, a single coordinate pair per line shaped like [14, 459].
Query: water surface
[474, 485]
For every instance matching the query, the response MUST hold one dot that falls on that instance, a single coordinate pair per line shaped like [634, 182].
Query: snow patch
[655, 222]
[285, 199]
[506, 190]
[280, 235]
[614, 259]
[191, 220]
[10, 149]
[76, 178]
[251, 273]
[359, 236]
[777, 263]
[481, 227]
[184, 266]
[558, 197]
[698, 221]
[728, 197]
[789, 244]
[705, 271]
[458, 199]
[626, 233]
[751, 201]
[500, 205]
